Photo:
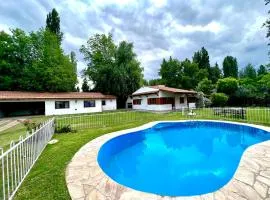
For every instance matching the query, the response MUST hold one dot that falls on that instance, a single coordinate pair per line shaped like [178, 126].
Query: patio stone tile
[245, 176]
[261, 188]
[264, 180]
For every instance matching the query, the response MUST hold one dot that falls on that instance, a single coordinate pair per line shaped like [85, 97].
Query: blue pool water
[178, 159]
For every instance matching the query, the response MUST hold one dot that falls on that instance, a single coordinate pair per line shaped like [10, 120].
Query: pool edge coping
[86, 180]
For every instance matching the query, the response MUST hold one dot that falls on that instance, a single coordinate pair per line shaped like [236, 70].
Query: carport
[21, 108]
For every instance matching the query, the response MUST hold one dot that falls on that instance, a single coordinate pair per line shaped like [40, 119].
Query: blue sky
[158, 28]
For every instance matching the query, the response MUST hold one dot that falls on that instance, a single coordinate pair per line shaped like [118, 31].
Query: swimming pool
[178, 158]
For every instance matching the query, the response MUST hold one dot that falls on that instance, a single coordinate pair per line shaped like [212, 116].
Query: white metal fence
[250, 115]
[18, 160]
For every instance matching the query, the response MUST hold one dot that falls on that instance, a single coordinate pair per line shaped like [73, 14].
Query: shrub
[30, 125]
[65, 129]
[219, 99]
[227, 85]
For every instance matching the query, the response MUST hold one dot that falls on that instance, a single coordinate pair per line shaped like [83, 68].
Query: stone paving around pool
[86, 180]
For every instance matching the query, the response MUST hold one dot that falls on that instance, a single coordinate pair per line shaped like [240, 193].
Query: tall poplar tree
[53, 24]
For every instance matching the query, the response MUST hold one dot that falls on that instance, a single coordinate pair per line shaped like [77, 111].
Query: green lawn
[16, 131]
[47, 178]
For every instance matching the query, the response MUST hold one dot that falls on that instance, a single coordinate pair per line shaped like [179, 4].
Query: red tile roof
[17, 95]
[173, 90]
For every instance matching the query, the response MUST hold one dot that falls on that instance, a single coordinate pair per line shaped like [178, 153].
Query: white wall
[75, 107]
[110, 104]
[144, 105]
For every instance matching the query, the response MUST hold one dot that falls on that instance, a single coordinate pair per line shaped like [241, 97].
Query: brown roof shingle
[173, 90]
[18, 95]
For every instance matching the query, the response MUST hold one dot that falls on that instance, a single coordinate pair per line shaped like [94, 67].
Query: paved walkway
[86, 180]
[6, 124]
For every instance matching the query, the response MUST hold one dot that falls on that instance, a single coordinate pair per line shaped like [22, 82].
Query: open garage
[10, 109]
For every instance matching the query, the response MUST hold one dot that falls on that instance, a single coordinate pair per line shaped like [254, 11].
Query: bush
[30, 125]
[65, 129]
[227, 85]
[219, 99]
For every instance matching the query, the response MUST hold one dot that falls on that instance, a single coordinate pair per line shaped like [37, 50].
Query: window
[153, 101]
[182, 100]
[103, 102]
[137, 101]
[160, 101]
[61, 104]
[90, 103]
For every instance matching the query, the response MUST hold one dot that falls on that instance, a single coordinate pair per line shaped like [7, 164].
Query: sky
[157, 28]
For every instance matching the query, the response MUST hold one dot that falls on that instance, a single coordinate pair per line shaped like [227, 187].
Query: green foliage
[113, 69]
[262, 70]
[215, 73]
[30, 125]
[205, 86]
[52, 71]
[202, 59]
[248, 72]
[230, 67]
[53, 24]
[227, 85]
[65, 129]
[219, 99]
[85, 86]
[156, 82]
[185, 74]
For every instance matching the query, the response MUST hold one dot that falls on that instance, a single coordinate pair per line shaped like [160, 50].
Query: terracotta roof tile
[18, 95]
[174, 90]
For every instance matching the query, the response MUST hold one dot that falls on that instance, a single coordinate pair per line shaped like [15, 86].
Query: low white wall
[75, 107]
[110, 104]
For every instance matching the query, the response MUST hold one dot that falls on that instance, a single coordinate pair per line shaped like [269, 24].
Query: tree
[227, 86]
[156, 82]
[205, 86]
[262, 70]
[15, 56]
[53, 24]
[113, 69]
[73, 61]
[85, 86]
[51, 70]
[202, 59]
[171, 72]
[215, 73]
[248, 72]
[230, 67]
[219, 99]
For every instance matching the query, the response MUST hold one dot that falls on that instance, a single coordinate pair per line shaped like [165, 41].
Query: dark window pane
[103, 102]
[61, 104]
[91, 103]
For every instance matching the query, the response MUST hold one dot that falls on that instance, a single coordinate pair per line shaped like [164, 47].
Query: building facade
[14, 103]
[162, 98]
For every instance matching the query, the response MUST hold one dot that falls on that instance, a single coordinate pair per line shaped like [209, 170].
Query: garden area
[46, 179]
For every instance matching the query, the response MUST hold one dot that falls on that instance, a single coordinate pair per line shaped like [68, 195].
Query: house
[162, 98]
[14, 103]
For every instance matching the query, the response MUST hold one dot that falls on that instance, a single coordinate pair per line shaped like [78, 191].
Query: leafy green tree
[230, 67]
[16, 54]
[248, 72]
[113, 69]
[227, 85]
[202, 59]
[85, 86]
[52, 71]
[205, 86]
[156, 82]
[73, 61]
[53, 24]
[219, 99]
[171, 72]
[215, 73]
[262, 70]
